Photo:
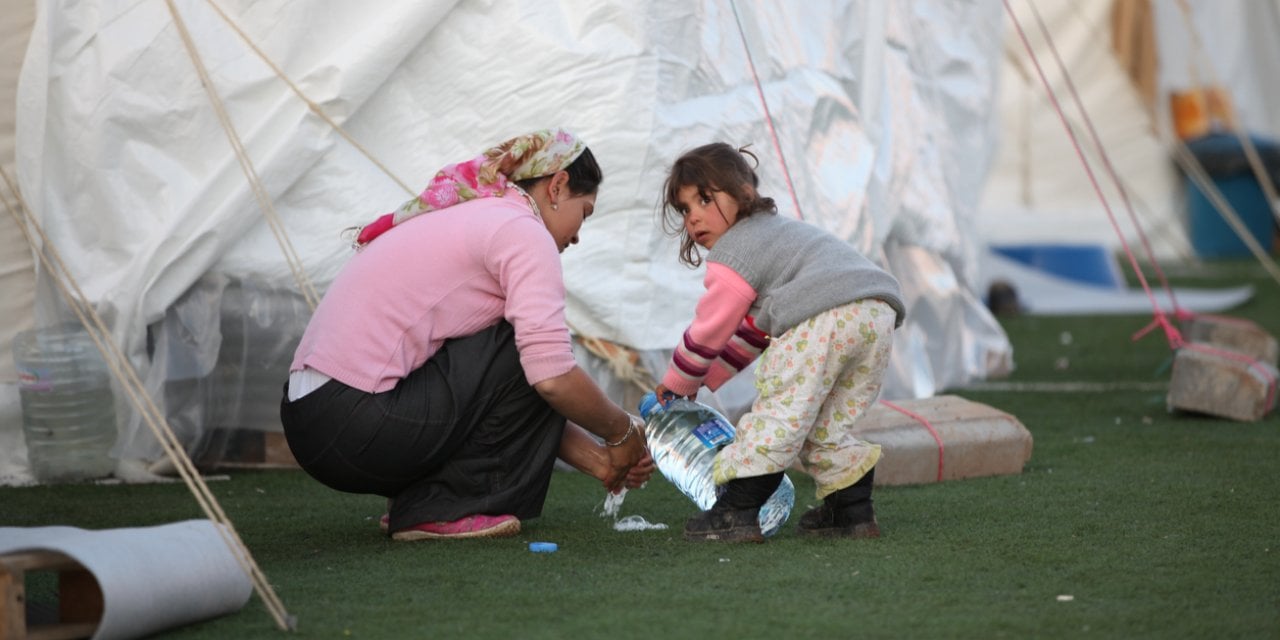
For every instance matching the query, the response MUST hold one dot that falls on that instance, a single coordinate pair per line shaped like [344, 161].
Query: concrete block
[1236, 334]
[977, 440]
[1216, 381]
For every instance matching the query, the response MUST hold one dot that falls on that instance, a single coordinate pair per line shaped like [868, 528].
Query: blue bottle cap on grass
[543, 547]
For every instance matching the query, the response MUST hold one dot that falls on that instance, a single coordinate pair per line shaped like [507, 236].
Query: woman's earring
[555, 207]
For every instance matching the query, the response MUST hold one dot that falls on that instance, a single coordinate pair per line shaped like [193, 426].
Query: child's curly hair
[711, 168]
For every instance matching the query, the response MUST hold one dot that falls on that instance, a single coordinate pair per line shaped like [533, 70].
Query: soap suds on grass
[613, 504]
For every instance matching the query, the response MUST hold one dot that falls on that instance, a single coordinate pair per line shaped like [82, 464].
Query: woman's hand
[641, 471]
[575, 396]
[606, 464]
[630, 464]
[640, 474]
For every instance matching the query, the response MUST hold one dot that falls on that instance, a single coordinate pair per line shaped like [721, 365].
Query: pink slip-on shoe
[476, 526]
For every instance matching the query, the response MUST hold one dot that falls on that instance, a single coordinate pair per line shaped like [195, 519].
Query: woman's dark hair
[584, 175]
[711, 168]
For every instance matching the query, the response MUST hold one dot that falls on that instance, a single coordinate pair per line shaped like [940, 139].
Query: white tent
[1038, 189]
[17, 279]
[1124, 61]
[885, 117]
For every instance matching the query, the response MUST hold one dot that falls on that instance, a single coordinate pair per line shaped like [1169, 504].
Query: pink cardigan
[722, 340]
[443, 275]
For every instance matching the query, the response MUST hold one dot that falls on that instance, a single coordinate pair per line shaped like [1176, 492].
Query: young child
[818, 315]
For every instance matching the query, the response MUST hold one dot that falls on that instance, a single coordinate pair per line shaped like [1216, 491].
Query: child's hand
[665, 395]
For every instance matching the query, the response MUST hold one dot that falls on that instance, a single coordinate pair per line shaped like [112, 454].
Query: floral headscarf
[488, 175]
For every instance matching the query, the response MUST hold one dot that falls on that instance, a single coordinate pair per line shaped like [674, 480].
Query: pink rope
[768, 117]
[924, 421]
[1171, 332]
[1106, 158]
[1179, 313]
[1176, 341]
[1239, 322]
[1175, 337]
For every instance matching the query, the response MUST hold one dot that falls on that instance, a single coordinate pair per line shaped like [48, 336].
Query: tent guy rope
[1233, 121]
[1106, 161]
[134, 388]
[315, 108]
[1172, 334]
[1171, 239]
[768, 117]
[1194, 170]
[1170, 331]
[308, 290]
[1183, 157]
[1228, 212]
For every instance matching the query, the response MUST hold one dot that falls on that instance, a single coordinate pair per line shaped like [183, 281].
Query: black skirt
[464, 434]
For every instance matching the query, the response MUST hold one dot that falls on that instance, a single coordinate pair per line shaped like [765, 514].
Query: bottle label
[34, 379]
[712, 434]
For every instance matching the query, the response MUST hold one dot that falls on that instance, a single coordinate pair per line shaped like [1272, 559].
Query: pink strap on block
[1252, 363]
[922, 420]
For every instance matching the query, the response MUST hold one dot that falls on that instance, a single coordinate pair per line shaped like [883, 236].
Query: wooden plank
[276, 450]
[80, 599]
[38, 559]
[13, 604]
[62, 631]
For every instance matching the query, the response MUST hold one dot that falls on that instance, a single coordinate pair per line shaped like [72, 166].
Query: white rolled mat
[152, 578]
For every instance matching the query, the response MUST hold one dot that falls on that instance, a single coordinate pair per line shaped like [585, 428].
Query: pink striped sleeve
[719, 313]
[746, 344]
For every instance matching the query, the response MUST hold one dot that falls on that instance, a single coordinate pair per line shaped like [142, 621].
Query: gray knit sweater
[799, 271]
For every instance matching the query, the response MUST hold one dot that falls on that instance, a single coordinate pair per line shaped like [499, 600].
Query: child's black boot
[735, 517]
[846, 513]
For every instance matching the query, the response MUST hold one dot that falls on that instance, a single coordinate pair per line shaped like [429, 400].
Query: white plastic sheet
[1042, 292]
[882, 113]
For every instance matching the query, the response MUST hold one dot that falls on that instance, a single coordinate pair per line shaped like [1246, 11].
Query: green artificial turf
[1128, 522]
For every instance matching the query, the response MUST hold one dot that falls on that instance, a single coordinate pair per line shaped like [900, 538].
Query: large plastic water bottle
[68, 411]
[684, 438]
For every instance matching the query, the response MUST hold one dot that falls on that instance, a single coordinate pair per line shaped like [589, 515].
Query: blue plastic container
[1211, 236]
[1090, 264]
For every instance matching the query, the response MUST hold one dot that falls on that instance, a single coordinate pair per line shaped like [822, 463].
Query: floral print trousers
[813, 383]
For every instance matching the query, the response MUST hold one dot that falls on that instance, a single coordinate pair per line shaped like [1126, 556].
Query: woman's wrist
[633, 425]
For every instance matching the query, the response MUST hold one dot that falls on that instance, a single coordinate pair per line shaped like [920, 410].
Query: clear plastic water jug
[684, 438]
[68, 410]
